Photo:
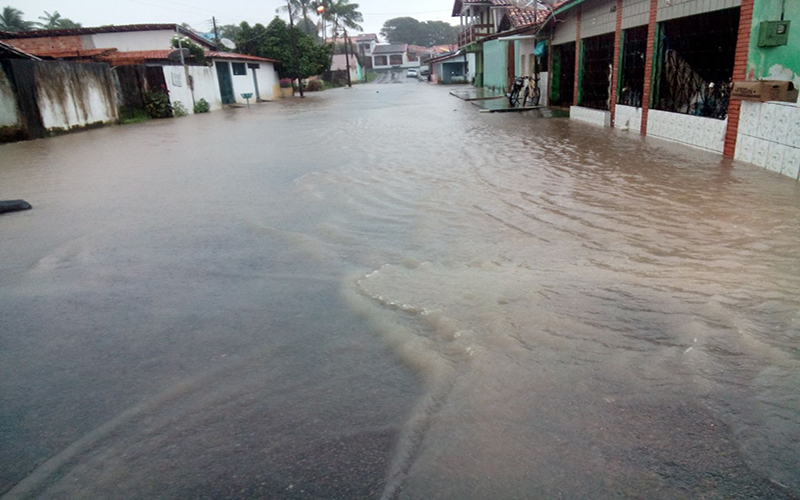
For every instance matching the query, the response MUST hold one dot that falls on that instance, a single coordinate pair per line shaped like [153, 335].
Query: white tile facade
[628, 118]
[769, 136]
[697, 131]
[589, 115]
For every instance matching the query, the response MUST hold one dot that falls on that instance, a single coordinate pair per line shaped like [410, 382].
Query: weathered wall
[10, 124]
[206, 85]
[566, 27]
[73, 95]
[775, 63]
[635, 13]
[598, 18]
[178, 86]
[48, 44]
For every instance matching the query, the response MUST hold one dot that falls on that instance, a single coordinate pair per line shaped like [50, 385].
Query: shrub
[194, 49]
[157, 103]
[179, 109]
[314, 86]
[202, 106]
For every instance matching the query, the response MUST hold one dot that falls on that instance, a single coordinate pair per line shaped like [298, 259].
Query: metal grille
[695, 63]
[631, 81]
[598, 54]
[563, 84]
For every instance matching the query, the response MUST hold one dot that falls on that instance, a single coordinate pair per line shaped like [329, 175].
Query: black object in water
[14, 206]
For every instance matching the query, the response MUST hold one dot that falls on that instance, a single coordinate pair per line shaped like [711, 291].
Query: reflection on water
[397, 297]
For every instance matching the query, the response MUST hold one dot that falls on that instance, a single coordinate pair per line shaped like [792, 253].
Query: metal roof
[232, 55]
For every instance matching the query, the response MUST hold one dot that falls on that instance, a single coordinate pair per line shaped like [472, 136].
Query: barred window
[631, 78]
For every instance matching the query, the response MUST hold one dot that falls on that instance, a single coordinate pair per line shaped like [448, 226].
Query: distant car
[412, 73]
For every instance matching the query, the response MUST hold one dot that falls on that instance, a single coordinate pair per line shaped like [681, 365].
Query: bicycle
[528, 88]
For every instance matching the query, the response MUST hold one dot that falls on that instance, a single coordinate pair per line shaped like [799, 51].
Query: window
[253, 66]
[380, 61]
[694, 63]
[562, 86]
[396, 59]
[598, 53]
[631, 78]
[239, 69]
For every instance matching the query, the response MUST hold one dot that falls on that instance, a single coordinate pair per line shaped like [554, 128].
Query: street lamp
[320, 12]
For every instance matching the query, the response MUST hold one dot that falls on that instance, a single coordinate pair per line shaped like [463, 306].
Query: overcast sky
[198, 13]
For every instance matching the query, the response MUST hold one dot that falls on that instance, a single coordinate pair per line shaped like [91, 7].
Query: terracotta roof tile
[233, 55]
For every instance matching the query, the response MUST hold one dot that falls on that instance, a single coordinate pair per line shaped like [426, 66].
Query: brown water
[380, 293]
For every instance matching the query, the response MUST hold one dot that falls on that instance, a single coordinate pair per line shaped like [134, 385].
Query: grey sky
[198, 12]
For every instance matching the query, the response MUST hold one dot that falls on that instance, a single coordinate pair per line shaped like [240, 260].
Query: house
[223, 80]
[387, 56]
[339, 66]
[449, 68]
[646, 66]
[365, 43]
[499, 39]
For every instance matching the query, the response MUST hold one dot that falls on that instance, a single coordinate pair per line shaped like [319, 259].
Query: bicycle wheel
[536, 96]
[513, 98]
[526, 96]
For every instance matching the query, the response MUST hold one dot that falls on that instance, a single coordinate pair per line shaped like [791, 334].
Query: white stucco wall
[769, 136]
[134, 40]
[9, 116]
[178, 86]
[267, 80]
[206, 85]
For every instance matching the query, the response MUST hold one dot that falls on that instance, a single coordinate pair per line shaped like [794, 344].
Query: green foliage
[194, 49]
[428, 33]
[202, 106]
[308, 27]
[157, 103]
[54, 21]
[179, 109]
[11, 20]
[371, 76]
[300, 57]
[315, 85]
[285, 83]
[132, 115]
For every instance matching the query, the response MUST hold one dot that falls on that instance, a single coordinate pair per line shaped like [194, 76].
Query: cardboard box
[764, 90]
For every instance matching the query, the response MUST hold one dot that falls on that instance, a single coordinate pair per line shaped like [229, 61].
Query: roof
[71, 54]
[366, 37]
[233, 55]
[526, 17]
[13, 52]
[445, 57]
[135, 56]
[390, 49]
[105, 29]
[339, 62]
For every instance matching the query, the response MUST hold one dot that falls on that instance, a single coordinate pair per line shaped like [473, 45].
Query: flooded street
[380, 293]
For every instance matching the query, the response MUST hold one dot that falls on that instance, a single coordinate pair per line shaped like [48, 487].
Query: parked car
[412, 73]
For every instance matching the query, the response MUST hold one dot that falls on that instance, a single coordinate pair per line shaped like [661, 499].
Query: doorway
[225, 82]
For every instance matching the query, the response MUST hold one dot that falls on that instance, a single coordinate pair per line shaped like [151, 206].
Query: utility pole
[294, 43]
[347, 57]
[216, 33]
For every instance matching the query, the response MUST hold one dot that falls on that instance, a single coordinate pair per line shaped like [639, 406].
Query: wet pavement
[379, 292]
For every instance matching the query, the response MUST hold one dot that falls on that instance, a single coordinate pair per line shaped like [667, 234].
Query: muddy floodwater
[381, 293]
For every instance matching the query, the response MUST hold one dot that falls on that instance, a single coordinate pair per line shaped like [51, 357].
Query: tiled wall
[705, 133]
[672, 9]
[589, 115]
[598, 18]
[769, 136]
[566, 29]
[628, 118]
[634, 13]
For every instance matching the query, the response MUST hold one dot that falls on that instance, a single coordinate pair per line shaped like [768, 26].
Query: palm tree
[343, 15]
[11, 20]
[55, 21]
[297, 8]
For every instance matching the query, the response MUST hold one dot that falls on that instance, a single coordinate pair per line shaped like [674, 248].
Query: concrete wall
[635, 13]
[565, 31]
[206, 85]
[134, 40]
[268, 79]
[74, 95]
[628, 118]
[589, 115]
[178, 86]
[673, 9]
[10, 120]
[775, 63]
[697, 131]
[769, 136]
[244, 84]
[598, 18]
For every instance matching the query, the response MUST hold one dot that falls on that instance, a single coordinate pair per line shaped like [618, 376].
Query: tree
[307, 26]
[344, 15]
[54, 21]
[229, 31]
[298, 10]
[299, 56]
[409, 30]
[11, 20]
